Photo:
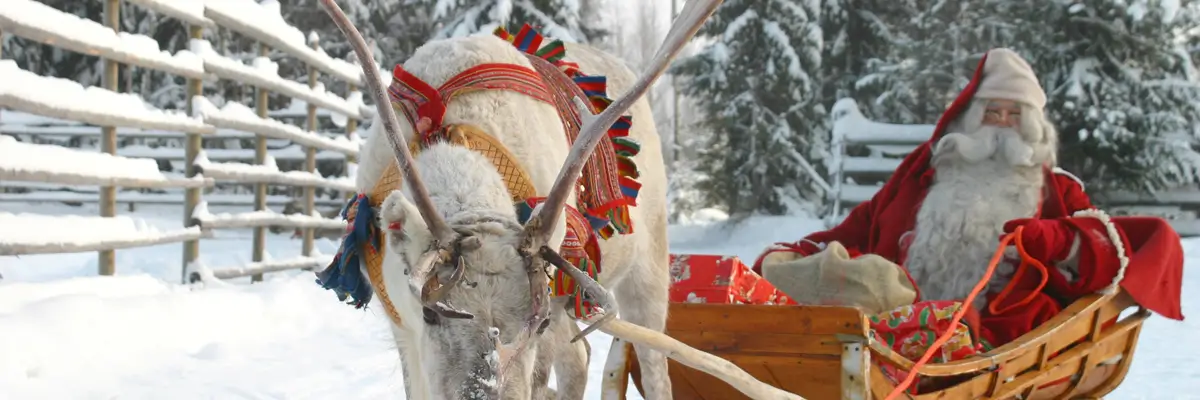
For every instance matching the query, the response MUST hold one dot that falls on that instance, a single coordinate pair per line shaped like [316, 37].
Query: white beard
[982, 181]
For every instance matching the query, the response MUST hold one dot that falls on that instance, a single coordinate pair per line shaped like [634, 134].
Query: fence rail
[115, 114]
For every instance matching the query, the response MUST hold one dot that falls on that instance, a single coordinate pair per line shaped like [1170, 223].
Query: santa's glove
[1046, 240]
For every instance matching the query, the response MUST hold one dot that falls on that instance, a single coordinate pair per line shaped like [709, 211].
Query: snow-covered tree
[935, 46]
[1123, 95]
[855, 31]
[559, 19]
[757, 84]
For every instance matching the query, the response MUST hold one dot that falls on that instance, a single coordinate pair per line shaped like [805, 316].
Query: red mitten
[1046, 240]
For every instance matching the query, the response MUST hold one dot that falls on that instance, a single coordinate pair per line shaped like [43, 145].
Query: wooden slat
[758, 319]
[758, 343]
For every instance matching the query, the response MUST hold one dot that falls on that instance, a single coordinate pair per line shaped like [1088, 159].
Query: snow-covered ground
[66, 333]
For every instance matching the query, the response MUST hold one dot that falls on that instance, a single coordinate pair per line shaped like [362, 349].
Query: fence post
[260, 158]
[191, 196]
[108, 143]
[310, 154]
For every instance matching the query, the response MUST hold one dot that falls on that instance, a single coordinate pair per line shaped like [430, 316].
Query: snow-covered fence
[263, 23]
[866, 153]
[27, 93]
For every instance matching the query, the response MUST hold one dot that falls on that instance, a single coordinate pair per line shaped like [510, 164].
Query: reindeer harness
[606, 190]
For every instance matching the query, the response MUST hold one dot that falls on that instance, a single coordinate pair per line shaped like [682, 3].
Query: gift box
[707, 278]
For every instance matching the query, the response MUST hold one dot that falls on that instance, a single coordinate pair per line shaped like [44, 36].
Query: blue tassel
[344, 275]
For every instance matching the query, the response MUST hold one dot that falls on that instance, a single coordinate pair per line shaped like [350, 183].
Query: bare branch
[437, 225]
[541, 226]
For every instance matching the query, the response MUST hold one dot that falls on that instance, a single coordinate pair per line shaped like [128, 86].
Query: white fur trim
[1068, 174]
[819, 245]
[1074, 250]
[1113, 237]
[1008, 76]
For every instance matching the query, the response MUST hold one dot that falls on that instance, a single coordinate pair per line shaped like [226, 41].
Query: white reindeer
[468, 282]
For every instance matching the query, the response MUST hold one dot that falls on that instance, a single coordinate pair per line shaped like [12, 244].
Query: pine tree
[855, 31]
[559, 19]
[935, 48]
[1124, 97]
[756, 84]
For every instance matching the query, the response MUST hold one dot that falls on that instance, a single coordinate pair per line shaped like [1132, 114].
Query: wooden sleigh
[826, 353]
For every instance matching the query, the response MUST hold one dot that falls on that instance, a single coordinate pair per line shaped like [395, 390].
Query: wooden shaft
[310, 161]
[260, 158]
[191, 196]
[108, 142]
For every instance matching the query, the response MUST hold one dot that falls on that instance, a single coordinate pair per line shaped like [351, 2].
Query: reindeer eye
[431, 318]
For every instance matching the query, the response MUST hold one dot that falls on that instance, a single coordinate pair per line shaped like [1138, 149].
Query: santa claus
[988, 169]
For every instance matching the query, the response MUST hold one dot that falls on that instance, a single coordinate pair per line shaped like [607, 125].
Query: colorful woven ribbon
[344, 274]
[579, 247]
[609, 177]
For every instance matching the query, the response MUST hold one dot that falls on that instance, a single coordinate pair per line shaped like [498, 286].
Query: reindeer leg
[540, 382]
[570, 358]
[643, 297]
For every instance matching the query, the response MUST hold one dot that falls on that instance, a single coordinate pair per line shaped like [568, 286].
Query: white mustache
[985, 144]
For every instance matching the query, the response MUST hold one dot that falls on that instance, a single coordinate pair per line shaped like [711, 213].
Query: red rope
[949, 332]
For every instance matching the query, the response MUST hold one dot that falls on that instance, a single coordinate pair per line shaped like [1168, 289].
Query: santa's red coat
[1153, 277]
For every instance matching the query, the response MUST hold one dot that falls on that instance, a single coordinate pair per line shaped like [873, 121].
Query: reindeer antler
[443, 236]
[540, 226]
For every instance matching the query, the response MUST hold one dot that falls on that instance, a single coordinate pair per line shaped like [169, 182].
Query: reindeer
[465, 284]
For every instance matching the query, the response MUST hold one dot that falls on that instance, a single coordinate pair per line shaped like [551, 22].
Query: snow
[851, 125]
[1170, 9]
[263, 22]
[209, 220]
[293, 152]
[214, 274]
[237, 116]
[25, 233]
[60, 98]
[269, 172]
[40, 22]
[50, 163]
[139, 198]
[141, 335]
[44, 132]
[191, 12]
[265, 73]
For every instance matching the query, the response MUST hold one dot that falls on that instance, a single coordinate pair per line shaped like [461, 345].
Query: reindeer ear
[395, 212]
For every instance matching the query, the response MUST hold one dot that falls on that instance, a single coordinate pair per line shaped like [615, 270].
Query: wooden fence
[866, 153]
[51, 97]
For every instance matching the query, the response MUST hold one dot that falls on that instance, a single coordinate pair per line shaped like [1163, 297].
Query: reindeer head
[438, 250]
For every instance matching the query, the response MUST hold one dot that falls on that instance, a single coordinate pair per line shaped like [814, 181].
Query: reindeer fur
[472, 197]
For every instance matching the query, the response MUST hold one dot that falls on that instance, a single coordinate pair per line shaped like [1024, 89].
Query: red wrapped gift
[708, 278]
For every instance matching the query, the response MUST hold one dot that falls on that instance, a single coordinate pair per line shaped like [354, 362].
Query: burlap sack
[831, 277]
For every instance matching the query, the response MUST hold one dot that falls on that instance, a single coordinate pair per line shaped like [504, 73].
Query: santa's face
[1002, 113]
[997, 130]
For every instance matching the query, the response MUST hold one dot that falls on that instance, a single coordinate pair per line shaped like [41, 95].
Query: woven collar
[419, 99]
